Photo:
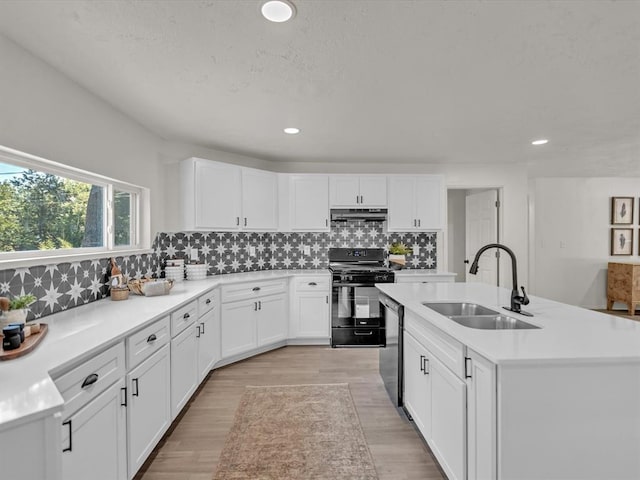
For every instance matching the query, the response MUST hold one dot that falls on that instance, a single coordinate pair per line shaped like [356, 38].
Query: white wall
[571, 238]
[44, 113]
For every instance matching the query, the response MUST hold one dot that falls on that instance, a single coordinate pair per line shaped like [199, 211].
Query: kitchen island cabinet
[523, 404]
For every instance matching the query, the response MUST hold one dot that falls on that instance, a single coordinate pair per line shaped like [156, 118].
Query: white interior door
[482, 229]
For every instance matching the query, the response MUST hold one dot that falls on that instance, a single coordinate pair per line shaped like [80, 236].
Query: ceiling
[366, 81]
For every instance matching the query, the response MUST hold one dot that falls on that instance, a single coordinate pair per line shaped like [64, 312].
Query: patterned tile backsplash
[61, 286]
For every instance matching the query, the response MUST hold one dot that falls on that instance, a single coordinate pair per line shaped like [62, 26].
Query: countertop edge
[41, 378]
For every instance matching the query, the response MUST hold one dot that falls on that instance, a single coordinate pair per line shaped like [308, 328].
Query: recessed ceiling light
[542, 141]
[278, 10]
[292, 130]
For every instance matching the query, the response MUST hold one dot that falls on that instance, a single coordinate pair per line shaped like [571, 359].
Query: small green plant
[23, 301]
[399, 248]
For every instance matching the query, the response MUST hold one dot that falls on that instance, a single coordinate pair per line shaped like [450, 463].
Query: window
[48, 209]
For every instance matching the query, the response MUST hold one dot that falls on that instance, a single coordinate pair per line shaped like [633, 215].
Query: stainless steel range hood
[358, 214]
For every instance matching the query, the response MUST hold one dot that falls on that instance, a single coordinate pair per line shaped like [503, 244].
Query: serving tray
[29, 344]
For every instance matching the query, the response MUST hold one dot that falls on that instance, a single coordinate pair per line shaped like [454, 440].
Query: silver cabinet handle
[259, 305]
[361, 199]
[198, 332]
[422, 363]
[313, 284]
[238, 221]
[202, 323]
[418, 222]
[245, 221]
[208, 301]
[357, 199]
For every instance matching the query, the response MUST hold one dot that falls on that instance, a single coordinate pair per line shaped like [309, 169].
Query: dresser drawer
[183, 317]
[312, 284]
[207, 301]
[146, 342]
[84, 382]
[243, 291]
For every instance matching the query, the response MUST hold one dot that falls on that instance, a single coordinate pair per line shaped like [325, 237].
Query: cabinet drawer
[312, 284]
[242, 291]
[81, 384]
[183, 317]
[143, 344]
[207, 301]
[448, 350]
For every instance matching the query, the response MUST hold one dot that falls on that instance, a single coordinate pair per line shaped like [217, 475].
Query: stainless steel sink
[491, 322]
[460, 309]
[472, 315]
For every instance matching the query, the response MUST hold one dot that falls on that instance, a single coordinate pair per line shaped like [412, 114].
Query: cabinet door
[238, 327]
[273, 321]
[344, 191]
[448, 420]
[208, 335]
[259, 200]
[481, 419]
[149, 410]
[310, 203]
[184, 369]
[373, 191]
[428, 202]
[95, 440]
[402, 206]
[217, 196]
[417, 384]
[311, 312]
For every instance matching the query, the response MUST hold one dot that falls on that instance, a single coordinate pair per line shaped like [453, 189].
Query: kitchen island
[561, 401]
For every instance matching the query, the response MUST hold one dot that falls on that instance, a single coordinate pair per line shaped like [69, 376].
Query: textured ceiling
[371, 81]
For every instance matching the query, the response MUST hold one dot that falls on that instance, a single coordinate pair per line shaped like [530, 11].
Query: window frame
[139, 214]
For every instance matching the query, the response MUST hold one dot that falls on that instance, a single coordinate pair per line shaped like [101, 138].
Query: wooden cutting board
[29, 344]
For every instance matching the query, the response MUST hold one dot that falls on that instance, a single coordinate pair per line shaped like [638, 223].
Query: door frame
[500, 224]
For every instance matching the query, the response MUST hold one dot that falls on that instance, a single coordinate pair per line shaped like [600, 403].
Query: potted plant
[15, 310]
[397, 254]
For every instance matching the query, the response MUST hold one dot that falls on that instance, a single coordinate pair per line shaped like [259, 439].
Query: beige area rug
[301, 432]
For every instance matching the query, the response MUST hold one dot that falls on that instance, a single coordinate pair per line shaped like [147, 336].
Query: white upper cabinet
[309, 203]
[259, 200]
[358, 191]
[416, 203]
[220, 196]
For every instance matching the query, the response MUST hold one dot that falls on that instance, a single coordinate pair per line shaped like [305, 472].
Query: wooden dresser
[623, 285]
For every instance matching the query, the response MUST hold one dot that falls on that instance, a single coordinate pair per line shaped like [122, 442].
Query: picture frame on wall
[622, 210]
[622, 241]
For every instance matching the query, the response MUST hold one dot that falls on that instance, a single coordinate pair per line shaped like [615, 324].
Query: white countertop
[425, 272]
[26, 388]
[567, 333]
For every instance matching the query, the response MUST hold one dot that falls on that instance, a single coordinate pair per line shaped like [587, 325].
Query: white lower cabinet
[481, 418]
[149, 406]
[238, 326]
[417, 385]
[454, 408]
[184, 368]
[94, 439]
[448, 419]
[208, 341]
[253, 316]
[310, 308]
[272, 319]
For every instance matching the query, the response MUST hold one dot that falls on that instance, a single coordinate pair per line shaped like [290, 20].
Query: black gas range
[356, 317]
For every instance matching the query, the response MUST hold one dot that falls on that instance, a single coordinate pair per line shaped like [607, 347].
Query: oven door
[355, 305]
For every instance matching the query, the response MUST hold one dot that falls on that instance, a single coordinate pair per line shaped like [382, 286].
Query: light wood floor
[190, 451]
